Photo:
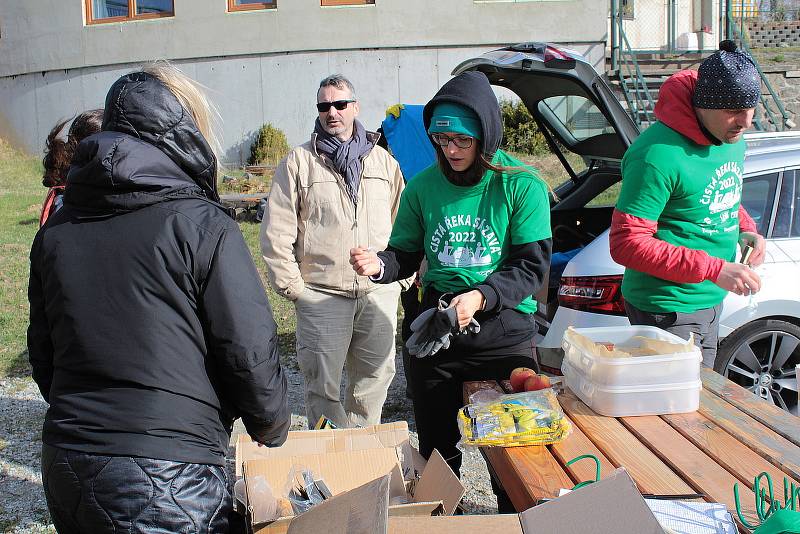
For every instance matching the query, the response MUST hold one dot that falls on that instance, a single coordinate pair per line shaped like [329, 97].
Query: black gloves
[432, 330]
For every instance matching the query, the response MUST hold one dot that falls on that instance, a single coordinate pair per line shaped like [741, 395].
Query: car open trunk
[585, 127]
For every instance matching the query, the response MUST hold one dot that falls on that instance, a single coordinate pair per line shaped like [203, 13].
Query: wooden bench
[732, 438]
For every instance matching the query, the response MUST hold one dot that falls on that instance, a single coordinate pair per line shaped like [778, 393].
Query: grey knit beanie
[728, 79]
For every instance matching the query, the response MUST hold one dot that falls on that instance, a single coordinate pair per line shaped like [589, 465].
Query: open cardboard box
[347, 459]
[387, 435]
[610, 506]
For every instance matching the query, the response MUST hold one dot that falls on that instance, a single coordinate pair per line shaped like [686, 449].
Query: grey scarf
[347, 156]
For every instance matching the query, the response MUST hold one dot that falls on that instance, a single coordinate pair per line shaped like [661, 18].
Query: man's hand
[739, 279]
[466, 305]
[365, 261]
[759, 245]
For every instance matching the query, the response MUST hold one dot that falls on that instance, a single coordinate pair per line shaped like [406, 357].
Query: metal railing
[766, 10]
[640, 102]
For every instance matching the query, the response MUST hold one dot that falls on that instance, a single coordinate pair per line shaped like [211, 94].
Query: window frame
[269, 4]
[340, 3]
[788, 204]
[628, 9]
[132, 16]
[772, 203]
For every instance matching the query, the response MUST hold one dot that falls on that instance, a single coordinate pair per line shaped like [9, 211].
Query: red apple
[519, 376]
[537, 382]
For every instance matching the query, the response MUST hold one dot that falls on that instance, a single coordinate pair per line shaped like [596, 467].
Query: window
[608, 198]
[577, 116]
[100, 11]
[787, 218]
[795, 212]
[250, 5]
[626, 9]
[346, 2]
[758, 198]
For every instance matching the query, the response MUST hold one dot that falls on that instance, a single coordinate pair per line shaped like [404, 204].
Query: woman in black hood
[150, 331]
[482, 220]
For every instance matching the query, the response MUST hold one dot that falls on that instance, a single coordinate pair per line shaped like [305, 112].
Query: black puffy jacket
[149, 327]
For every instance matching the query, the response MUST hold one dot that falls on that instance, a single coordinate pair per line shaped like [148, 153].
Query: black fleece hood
[139, 105]
[472, 90]
[115, 172]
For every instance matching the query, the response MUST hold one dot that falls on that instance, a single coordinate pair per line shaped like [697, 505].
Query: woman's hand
[365, 261]
[466, 305]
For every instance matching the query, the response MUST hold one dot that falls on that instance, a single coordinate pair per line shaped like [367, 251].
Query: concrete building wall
[263, 66]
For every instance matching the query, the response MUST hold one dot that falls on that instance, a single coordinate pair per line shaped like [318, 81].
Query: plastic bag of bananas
[529, 418]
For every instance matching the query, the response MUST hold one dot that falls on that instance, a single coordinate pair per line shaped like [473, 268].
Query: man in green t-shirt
[678, 219]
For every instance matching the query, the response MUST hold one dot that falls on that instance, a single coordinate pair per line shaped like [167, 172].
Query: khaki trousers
[336, 333]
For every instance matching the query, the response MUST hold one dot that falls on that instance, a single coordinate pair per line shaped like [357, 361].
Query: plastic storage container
[637, 370]
[622, 401]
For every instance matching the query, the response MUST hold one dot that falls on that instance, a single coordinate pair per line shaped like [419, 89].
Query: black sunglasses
[461, 141]
[324, 107]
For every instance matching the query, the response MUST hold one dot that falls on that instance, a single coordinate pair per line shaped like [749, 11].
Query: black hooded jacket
[523, 272]
[149, 328]
[472, 90]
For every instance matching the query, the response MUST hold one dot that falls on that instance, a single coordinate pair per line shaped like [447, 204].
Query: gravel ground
[22, 503]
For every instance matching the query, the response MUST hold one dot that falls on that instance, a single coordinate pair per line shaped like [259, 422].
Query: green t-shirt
[693, 192]
[466, 232]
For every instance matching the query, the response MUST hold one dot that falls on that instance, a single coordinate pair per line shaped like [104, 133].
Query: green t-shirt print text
[693, 193]
[466, 232]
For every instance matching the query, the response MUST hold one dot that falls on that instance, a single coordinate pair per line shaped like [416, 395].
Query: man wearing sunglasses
[333, 193]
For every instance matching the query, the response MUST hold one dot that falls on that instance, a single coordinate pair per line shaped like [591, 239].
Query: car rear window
[578, 116]
[758, 198]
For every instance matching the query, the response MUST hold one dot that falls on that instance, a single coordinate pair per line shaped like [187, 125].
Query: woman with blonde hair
[149, 328]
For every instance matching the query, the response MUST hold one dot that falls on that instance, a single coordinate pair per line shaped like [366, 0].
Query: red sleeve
[746, 223]
[634, 245]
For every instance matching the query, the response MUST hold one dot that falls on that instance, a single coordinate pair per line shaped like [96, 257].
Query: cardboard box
[363, 510]
[459, 524]
[349, 459]
[387, 435]
[611, 506]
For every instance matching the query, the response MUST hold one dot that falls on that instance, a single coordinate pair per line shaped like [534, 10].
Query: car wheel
[761, 356]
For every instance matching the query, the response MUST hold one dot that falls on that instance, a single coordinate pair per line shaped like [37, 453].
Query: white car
[588, 129]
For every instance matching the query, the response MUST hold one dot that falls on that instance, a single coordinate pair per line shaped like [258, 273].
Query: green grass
[553, 172]
[282, 309]
[21, 195]
[774, 49]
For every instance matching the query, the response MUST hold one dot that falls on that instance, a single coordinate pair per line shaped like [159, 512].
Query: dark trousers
[704, 324]
[436, 390]
[109, 494]
[411, 308]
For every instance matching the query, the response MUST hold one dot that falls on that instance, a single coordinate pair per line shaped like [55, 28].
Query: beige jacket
[310, 223]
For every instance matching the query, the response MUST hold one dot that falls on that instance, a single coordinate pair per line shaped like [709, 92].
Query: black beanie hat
[472, 90]
[728, 79]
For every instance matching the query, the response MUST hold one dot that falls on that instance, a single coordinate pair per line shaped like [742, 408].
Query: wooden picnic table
[732, 438]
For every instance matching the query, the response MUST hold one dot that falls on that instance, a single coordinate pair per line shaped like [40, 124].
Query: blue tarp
[408, 140]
